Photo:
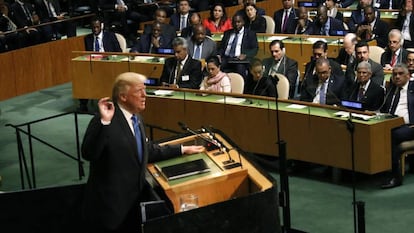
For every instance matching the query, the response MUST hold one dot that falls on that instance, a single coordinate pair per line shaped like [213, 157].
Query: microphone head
[182, 125]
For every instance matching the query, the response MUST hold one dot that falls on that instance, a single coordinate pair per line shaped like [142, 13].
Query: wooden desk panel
[7, 76]
[310, 137]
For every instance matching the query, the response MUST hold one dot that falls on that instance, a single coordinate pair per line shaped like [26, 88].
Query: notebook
[185, 169]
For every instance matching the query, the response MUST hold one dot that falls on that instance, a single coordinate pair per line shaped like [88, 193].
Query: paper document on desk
[163, 92]
[313, 39]
[277, 38]
[296, 106]
[232, 100]
[358, 116]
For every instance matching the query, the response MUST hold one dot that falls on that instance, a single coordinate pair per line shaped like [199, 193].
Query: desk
[313, 133]
[298, 47]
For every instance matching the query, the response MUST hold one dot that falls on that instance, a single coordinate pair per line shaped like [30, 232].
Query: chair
[282, 87]
[375, 53]
[408, 149]
[270, 24]
[237, 83]
[122, 42]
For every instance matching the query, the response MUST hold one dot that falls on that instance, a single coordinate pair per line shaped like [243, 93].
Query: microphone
[152, 71]
[171, 74]
[211, 144]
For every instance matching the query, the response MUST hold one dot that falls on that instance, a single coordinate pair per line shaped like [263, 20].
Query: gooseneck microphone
[211, 143]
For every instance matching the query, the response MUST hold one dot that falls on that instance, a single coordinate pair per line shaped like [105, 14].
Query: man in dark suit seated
[281, 64]
[181, 70]
[362, 54]
[161, 17]
[195, 20]
[394, 53]
[405, 23]
[323, 87]
[373, 28]
[399, 101]
[180, 19]
[151, 43]
[286, 18]
[347, 54]
[369, 93]
[327, 26]
[320, 50]
[24, 16]
[200, 46]
[238, 46]
[358, 15]
[389, 4]
[116, 146]
[304, 24]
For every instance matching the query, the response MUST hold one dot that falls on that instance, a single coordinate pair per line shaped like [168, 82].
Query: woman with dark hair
[218, 21]
[216, 80]
[256, 83]
[254, 21]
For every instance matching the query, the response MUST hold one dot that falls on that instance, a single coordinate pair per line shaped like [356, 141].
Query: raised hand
[106, 109]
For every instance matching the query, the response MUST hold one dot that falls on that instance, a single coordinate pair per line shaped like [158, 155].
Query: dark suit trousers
[399, 135]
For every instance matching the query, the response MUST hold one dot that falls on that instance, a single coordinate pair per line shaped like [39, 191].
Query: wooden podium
[227, 197]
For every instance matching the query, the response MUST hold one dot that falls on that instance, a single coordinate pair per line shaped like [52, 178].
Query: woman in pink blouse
[218, 21]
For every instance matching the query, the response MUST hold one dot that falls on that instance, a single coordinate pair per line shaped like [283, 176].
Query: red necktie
[393, 60]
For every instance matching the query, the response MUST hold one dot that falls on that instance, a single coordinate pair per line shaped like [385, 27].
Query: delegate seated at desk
[118, 150]
[181, 70]
[257, 82]
[216, 80]
[324, 87]
[152, 42]
[365, 90]
[395, 53]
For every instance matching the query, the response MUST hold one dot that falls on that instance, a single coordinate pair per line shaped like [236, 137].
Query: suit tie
[232, 52]
[138, 137]
[361, 93]
[97, 47]
[183, 23]
[395, 100]
[178, 74]
[197, 53]
[322, 94]
[393, 60]
[285, 19]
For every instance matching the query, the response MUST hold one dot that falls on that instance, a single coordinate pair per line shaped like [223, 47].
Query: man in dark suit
[304, 24]
[161, 17]
[285, 19]
[200, 46]
[362, 54]
[49, 11]
[195, 19]
[324, 87]
[369, 93]
[236, 54]
[326, 25]
[181, 70]
[373, 28]
[24, 16]
[347, 54]
[280, 63]
[399, 101]
[118, 150]
[405, 23]
[181, 19]
[389, 4]
[358, 15]
[394, 53]
[100, 40]
[151, 43]
[320, 50]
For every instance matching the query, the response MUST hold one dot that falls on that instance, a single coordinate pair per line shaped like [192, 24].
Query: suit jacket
[379, 32]
[357, 18]
[288, 67]
[191, 68]
[410, 100]
[144, 44]
[167, 30]
[305, 31]
[249, 44]
[400, 23]
[343, 57]
[188, 32]
[376, 69]
[116, 177]
[43, 13]
[335, 67]
[262, 87]
[109, 41]
[396, 4]
[386, 56]
[258, 25]
[291, 21]
[334, 26]
[373, 96]
[175, 20]
[334, 92]
[209, 48]
[18, 16]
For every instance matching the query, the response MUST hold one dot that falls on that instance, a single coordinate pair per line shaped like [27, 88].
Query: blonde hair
[124, 81]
